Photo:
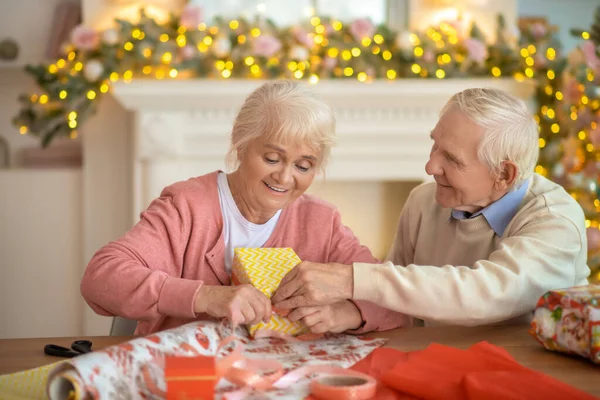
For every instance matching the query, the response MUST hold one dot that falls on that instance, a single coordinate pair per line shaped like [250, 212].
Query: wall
[13, 82]
[29, 23]
[40, 253]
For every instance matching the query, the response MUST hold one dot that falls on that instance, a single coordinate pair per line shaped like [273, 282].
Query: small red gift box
[190, 377]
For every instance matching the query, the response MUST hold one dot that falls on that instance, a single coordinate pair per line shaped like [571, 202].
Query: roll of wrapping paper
[568, 321]
[66, 384]
[137, 368]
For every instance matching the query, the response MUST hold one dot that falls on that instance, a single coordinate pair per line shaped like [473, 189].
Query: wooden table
[20, 354]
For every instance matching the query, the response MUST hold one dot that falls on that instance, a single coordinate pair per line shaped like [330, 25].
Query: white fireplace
[181, 128]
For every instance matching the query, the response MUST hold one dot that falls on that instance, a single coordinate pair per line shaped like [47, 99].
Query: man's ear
[507, 176]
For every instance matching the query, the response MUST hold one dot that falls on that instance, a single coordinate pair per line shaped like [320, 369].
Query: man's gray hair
[510, 132]
[286, 112]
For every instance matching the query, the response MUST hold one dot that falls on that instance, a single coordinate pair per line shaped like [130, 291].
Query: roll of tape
[343, 387]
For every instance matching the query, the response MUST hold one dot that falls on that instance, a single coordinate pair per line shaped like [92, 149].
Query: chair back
[122, 327]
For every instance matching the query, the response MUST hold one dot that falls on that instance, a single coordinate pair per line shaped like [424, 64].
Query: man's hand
[243, 304]
[337, 317]
[314, 284]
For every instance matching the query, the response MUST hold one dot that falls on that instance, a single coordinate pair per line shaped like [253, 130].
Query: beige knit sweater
[450, 271]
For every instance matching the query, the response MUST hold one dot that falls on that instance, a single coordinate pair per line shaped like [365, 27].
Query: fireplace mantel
[181, 127]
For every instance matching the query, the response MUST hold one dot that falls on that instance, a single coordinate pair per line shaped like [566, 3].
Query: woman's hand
[336, 317]
[243, 304]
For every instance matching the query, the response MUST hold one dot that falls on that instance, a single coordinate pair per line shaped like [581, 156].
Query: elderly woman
[174, 265]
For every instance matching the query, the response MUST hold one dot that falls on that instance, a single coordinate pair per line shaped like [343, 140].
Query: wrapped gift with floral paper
[264, 268]
[568, 321]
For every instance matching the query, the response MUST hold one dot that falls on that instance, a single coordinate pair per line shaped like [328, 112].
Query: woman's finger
[248, 313]
[267, 308]
[261, 305]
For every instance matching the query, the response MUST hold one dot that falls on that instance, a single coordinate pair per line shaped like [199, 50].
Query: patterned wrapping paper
[264, 268]
[568, 321]
[26, 385]
[135, 369]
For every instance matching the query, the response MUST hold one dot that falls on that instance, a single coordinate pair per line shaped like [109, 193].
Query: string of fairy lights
[230, 49]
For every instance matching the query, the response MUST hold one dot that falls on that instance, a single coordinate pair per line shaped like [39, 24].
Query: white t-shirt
[237, 230]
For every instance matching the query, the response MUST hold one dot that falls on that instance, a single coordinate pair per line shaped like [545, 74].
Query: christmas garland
[323, 48]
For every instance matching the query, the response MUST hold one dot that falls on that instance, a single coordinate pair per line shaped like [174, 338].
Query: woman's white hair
[510, 132]
[285, 112]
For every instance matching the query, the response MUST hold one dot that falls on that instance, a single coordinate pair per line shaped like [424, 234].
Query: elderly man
[479, 245]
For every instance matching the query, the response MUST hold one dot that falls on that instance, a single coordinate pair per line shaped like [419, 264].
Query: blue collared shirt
[501, 212]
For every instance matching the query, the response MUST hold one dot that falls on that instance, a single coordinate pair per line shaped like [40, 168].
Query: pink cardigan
[153, 272]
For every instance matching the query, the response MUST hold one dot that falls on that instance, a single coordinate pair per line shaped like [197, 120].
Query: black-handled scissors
[77, 347]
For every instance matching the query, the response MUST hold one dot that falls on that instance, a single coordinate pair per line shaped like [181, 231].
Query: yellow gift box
[264, 268]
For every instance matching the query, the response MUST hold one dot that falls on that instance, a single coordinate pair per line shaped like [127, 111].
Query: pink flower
[538, 30]
[571, 89]
[362, 28]
[84, 38]
[595, 137]
[428, 56]
[476, 49]
[589, 53]
[302, 37]
[266, 45]
[188, 52]
[191, 17]
[329, 63]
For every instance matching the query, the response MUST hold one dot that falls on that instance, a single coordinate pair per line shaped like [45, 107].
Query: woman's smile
[275, 189]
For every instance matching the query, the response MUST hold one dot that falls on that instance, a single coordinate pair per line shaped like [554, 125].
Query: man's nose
[433, 166]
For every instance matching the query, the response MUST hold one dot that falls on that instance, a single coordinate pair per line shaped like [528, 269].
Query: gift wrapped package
[568, 321]
[264, 268]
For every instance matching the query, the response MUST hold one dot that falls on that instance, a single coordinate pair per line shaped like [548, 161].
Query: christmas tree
[568, 115]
